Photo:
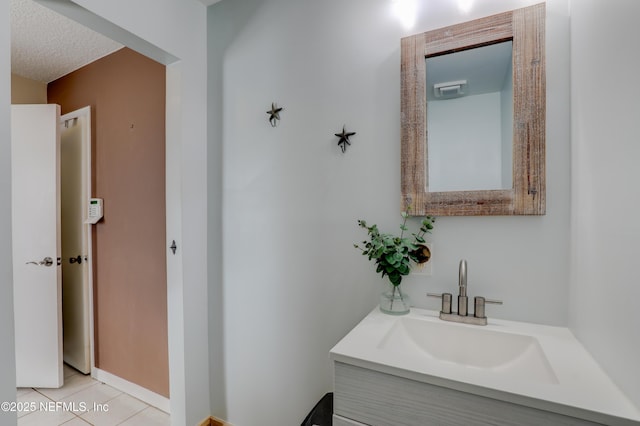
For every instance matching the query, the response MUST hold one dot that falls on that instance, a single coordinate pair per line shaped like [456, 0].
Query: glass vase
[394, 301]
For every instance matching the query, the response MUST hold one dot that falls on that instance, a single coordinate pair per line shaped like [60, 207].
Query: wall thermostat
[95, 211]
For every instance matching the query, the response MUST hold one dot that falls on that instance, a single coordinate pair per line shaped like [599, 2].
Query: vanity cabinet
[417, 370]
[368, 397]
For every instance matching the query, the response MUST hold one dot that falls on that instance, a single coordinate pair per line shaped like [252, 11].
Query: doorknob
[47, 261]
[77, 259]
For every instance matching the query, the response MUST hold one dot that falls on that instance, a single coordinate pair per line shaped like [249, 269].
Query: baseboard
[136, 391]
[212, 421]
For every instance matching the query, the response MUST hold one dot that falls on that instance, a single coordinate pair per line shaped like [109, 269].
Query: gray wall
[293, 283]
[605, 151]
[7, 354]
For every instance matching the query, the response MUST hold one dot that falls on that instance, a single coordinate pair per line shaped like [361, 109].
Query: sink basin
[533, 365]
[517, 356]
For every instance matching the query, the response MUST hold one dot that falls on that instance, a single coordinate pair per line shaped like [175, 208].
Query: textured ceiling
[45, 45]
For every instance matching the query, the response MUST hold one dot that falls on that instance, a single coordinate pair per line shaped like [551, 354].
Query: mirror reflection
[470, 119]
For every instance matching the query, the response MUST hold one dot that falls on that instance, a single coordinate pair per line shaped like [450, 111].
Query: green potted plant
[393, 256]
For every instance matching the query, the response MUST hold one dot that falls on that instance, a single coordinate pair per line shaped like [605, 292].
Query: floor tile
[74, 403]
[45, 418]
[119, 409]
[148, 417]
[31, 401]
[22, 391]
[69, 371]
[73, 384]
[76, 421]
[89, 397]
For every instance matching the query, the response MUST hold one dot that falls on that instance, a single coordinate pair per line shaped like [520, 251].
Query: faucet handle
[446, 301]
[479, 303]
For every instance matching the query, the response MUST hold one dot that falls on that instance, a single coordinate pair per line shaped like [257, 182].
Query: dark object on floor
[322, 413]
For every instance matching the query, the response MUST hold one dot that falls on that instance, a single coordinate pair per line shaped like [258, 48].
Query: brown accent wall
[27, 91]
[126, 92]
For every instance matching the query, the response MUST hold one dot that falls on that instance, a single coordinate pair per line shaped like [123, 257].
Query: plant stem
[404, 224]
[393, 297]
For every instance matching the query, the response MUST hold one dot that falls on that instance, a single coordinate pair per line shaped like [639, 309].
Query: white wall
[178, 28]
[465, 143]
[605, 284]
[293, 283]
[7, 354]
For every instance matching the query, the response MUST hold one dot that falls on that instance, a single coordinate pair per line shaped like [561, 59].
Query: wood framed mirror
[525, 28]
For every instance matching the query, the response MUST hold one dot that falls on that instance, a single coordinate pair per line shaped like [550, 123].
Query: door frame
[86, 170]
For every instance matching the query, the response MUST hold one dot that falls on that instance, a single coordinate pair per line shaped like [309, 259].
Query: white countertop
[580, 388]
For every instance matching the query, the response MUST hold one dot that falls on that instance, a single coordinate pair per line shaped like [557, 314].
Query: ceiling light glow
[465, 6]
[405, 11]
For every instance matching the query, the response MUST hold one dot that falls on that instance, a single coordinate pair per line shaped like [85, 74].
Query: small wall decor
[274, 114]
[344, 139]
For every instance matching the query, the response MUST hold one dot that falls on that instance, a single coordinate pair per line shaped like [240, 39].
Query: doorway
[126, 186]
[38, 314]
[188, 222]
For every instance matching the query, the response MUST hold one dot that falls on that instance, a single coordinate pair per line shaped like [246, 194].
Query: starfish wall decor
[274, 114]
[344, 139]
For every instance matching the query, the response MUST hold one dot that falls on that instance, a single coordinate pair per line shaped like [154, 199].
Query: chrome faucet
[463, 305]
[478, 317]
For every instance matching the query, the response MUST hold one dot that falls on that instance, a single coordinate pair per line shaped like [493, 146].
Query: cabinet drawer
[380, 399]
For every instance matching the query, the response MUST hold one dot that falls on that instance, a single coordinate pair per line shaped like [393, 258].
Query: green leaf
[395, 278]
[393, 254]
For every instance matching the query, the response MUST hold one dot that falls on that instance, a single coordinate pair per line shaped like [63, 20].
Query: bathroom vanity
[417, 370]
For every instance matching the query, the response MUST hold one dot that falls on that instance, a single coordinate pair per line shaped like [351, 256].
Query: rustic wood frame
[526, 27]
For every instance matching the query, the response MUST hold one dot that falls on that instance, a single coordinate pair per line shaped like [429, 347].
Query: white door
[37, 290]
[75, 163]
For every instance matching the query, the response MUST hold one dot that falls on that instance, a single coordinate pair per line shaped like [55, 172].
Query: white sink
[518, 357]
[533, 365]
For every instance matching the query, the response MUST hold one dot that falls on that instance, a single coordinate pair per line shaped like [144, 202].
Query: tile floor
[84, 401]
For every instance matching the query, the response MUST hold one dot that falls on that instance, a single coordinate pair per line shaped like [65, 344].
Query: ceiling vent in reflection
[450, 89]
